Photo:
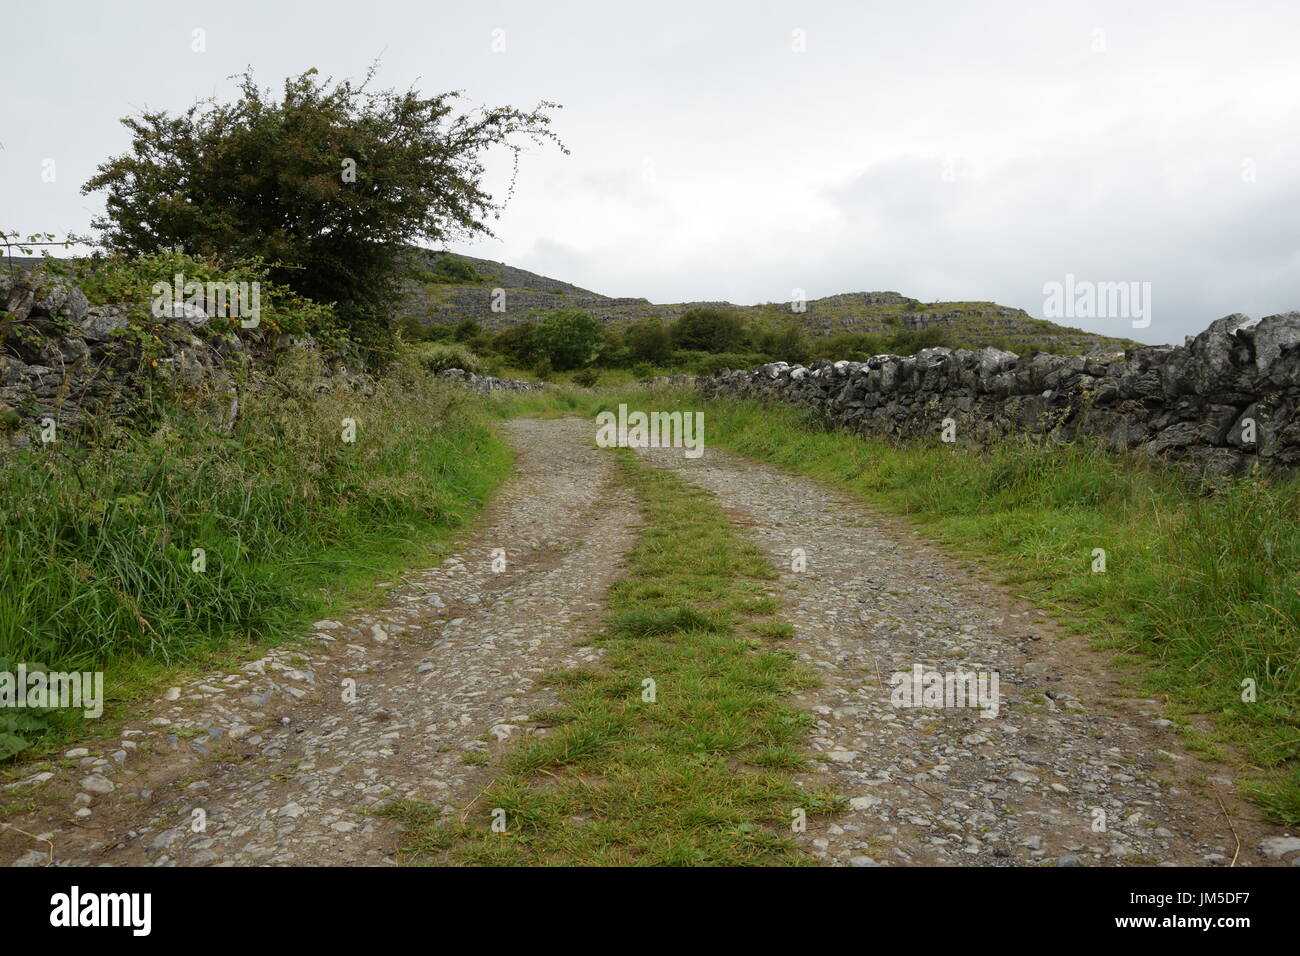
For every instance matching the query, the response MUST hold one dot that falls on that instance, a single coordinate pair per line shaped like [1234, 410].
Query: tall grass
[97, 551]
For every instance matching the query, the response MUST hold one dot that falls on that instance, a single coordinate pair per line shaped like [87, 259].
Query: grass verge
[97, 554]
[701, 774]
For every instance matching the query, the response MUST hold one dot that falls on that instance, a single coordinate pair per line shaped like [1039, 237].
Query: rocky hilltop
[528, 296]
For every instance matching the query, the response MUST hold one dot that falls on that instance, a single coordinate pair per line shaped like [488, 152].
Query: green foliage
[860, 346]
[329, 185]
[646, 347]
[648, 341]
[453, 271]
[706, 363]
[784, 342]
[130, 280]
[96, 551]
[849, 346]
[910, 342]
[568, 338]
[465, 330]
[413, 330]
[20, 725]
[438, 357]
[708, 329]
[586, 378]
[516, 344]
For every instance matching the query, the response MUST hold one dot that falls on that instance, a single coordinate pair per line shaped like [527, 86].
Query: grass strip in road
[694, 768]
[1201, 582]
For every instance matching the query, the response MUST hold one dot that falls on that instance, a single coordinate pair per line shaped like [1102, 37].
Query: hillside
[528, 296]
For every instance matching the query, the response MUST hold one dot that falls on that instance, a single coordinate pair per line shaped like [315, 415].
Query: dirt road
[285, 761]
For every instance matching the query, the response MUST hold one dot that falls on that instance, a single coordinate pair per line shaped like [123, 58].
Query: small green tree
[786, 342]
[331, 184]
[517, 344]
[568, 338]
[649, 341]
[709, 329]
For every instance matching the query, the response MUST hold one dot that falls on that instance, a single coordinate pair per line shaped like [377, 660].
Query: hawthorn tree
[568, 338]
[330, 184]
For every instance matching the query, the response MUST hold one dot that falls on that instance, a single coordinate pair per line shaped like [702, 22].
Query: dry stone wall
[65, 361]
[1225, 402]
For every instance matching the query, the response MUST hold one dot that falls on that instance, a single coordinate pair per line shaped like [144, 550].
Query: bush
[848, 346]
[706, 363]
[453, 271]
[465, 330]
[119, 279]
[784, 343]
[648, 340]
[568, 338]
[910, 342]
[413, 330]
[708, 329]
[517, 344]
[586, 378]
[436, 358]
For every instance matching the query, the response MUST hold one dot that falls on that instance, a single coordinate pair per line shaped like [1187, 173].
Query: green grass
[699, 776]
[1202, 583]
[96, 552]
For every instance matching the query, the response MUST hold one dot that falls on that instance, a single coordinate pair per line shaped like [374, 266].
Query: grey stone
[97, 783]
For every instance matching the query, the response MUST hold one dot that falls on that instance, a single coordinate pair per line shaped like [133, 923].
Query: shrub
[784, 343]
[648, 341]
[119, 279]
[413, 330]
[568, 338]
[464, 330]
[706, 363]
[850, 346]
[435, 358]
[910, 342]
[453, 271]
[517, 344]
[709, 329]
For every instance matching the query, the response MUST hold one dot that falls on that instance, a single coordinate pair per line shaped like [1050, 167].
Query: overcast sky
[744, 150]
